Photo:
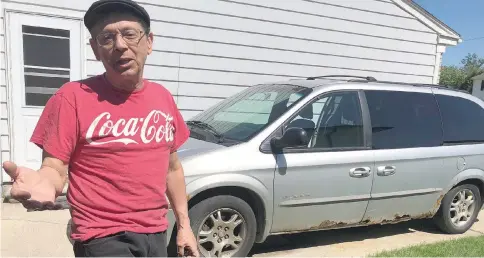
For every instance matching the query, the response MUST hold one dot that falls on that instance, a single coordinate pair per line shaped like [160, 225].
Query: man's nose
[119, 43]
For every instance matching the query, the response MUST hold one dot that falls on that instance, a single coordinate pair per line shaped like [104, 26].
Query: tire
[228, 205]
[443, 218]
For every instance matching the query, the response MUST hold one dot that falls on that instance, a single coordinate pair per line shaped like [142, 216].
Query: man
[117, 134]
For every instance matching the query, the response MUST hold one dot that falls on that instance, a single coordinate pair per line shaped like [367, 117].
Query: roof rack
[437, 86]
[368, 78]
[372, 79]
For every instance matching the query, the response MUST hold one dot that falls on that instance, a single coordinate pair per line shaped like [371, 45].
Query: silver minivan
[331, 152]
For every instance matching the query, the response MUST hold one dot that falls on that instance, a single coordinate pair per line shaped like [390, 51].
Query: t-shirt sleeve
[181, 131]
[56, 131]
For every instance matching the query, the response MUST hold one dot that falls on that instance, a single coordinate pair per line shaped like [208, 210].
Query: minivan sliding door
[406, 138]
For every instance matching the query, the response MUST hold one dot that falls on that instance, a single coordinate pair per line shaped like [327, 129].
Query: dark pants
[124, 244]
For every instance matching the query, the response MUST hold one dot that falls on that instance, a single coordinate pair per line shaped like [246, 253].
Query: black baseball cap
[101, 8]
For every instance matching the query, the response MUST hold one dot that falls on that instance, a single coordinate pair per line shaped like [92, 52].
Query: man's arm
[57, 133]
[55, 171]
[176, 191]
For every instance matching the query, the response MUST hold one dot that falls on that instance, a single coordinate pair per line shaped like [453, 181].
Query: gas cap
[461, 163]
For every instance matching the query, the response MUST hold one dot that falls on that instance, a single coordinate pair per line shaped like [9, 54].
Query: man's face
[121, 43]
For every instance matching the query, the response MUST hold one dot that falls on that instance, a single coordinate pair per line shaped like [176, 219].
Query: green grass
[462, 247]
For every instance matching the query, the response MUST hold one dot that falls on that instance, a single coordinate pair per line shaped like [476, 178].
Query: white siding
[205, 51]
[4, 129]
[476, 89]
[221, 46]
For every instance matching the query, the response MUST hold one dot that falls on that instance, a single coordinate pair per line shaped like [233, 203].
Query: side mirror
[293, 137]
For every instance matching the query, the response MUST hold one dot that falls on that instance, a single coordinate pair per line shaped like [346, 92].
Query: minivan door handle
[386, 170]
[360, 172]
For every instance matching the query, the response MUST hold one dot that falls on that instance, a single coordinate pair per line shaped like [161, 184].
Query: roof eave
[447, 36]
[478, 77]
[448, 41]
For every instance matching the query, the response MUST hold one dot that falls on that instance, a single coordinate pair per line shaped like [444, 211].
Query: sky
[466, 17]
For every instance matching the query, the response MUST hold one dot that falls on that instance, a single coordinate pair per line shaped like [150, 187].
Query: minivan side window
[463, 119]
[403, 119]
[333, 121]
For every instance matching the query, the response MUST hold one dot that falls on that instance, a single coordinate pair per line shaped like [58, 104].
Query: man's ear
[150, 42]
[94, 48]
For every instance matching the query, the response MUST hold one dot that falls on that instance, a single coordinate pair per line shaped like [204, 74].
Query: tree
[452, 76]
[461, 77]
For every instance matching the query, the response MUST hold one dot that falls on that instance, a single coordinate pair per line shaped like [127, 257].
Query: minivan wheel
[224, 226]
[459, 209]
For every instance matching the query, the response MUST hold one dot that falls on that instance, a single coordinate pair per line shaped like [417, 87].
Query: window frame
[42, 97]
[15, 19]
[266, 148]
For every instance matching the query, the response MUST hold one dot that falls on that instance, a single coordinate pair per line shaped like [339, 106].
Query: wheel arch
[473, 177]
[468, 176]
[245, 187]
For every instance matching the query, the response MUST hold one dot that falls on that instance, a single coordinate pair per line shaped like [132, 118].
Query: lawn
[462, 247]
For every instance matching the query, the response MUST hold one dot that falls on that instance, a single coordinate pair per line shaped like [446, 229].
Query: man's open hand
[30, 188]
[186, 242]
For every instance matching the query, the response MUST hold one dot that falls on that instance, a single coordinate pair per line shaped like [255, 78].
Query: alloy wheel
[462, 207]
[221, 233]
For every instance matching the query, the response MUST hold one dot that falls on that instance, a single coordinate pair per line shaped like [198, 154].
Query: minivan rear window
[463, 119]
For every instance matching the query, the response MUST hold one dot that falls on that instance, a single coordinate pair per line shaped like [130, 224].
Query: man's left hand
[186, 242]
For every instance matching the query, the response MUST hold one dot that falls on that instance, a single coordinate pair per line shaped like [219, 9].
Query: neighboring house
[205, 51]
[478, 86]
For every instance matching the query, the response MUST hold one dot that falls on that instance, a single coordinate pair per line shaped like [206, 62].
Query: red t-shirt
[118, 146]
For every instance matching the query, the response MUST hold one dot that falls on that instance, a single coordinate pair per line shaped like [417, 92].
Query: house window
[46, 53]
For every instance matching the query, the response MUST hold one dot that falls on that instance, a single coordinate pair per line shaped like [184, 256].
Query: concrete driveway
[46, 234]
[361, 241]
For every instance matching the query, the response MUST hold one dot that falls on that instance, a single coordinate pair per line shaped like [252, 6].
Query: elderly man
[117, 134]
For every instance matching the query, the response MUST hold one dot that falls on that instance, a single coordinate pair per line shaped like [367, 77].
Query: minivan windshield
[243, 115]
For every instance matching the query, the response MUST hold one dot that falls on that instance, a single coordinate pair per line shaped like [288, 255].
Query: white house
[205, 51]
[478, 86]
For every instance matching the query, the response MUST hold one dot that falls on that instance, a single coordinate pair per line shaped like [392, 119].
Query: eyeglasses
[130, 36]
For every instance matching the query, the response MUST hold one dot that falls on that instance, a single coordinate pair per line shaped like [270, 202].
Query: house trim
[478, 77]
[446, 35]
[50, 11]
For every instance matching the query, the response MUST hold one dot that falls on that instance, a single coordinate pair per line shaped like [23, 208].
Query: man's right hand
[30, 188]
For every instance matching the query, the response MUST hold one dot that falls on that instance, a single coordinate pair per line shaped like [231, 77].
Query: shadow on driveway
[313, 239]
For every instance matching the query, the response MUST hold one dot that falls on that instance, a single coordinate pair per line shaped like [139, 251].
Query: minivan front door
[328, 183]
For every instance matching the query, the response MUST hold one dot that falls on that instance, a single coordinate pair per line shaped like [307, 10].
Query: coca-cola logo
[156, 126]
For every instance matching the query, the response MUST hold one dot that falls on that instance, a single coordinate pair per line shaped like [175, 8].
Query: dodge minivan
[331, 152]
